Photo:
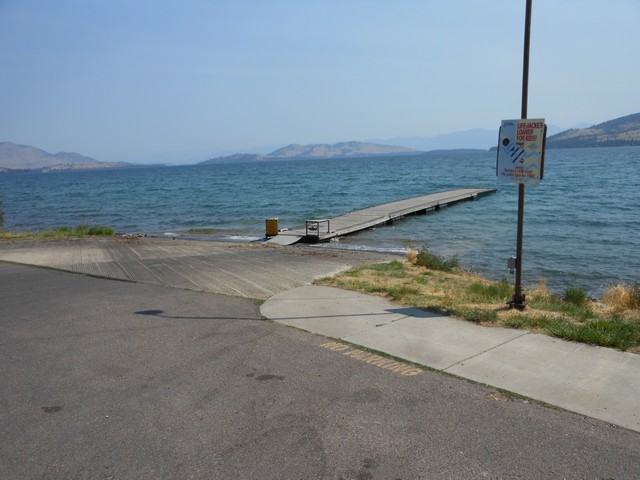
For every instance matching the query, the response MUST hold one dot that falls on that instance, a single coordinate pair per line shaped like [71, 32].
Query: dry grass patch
[624, 299]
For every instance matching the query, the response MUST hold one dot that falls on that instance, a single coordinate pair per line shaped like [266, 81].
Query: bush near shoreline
[60, 232]
[440, 285]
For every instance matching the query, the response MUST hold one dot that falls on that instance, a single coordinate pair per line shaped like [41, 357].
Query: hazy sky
[184, 80]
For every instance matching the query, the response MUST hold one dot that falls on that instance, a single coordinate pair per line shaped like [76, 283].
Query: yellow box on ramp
[272, 227]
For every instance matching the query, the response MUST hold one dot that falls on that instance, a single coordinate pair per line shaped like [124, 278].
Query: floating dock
[324, 229]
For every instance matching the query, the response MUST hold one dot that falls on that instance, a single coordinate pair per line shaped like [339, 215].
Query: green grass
[428, 259]
[579, 310]
[374, 289]
[490, 292]
[402, 292]
[395, 269]
[529, 322]
[60, 232]
[606, 332]
[575, 295]
[476, 315]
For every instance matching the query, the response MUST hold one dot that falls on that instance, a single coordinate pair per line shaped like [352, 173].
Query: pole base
[519, 302]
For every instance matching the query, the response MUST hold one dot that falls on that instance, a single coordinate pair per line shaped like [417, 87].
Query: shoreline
[220, 237]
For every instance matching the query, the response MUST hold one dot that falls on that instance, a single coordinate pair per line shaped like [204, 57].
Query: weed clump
[576, 296]
[428, 259]
[623, 297]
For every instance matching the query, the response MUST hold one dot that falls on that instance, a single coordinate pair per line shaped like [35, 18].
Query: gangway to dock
[324, 229]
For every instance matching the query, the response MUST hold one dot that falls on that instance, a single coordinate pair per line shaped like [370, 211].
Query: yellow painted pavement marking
[373, 359]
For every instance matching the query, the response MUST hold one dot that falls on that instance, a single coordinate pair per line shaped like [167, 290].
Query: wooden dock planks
[370, 217]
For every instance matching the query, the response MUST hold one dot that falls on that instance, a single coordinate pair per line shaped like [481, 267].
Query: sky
[182, 81]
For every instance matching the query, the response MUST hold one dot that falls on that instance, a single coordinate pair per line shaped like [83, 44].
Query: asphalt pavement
[599, 382]
[118, 379]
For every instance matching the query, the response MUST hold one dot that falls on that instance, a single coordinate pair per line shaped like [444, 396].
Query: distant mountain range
[338, 150]
[620, 132]
[623, 131]
[23, 157]
[475, 138]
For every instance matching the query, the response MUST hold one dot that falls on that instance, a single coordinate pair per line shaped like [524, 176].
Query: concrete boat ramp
[322, 230]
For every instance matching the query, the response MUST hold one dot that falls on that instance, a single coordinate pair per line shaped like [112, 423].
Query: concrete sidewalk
[593, 381]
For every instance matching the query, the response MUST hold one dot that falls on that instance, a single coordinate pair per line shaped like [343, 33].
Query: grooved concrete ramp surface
[248, 270]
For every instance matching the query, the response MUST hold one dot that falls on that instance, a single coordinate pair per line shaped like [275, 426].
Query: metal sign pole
[519, 300]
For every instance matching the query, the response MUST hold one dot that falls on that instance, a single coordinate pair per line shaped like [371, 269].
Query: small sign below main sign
[521, 151]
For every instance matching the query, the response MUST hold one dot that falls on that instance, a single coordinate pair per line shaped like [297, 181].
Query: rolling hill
[620, 132]
[24, 157]
[338, 150]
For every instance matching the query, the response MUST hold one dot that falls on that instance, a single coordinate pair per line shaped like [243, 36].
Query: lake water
[581, 222]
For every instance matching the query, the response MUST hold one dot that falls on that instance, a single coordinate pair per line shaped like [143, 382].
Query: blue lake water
[581, 222]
